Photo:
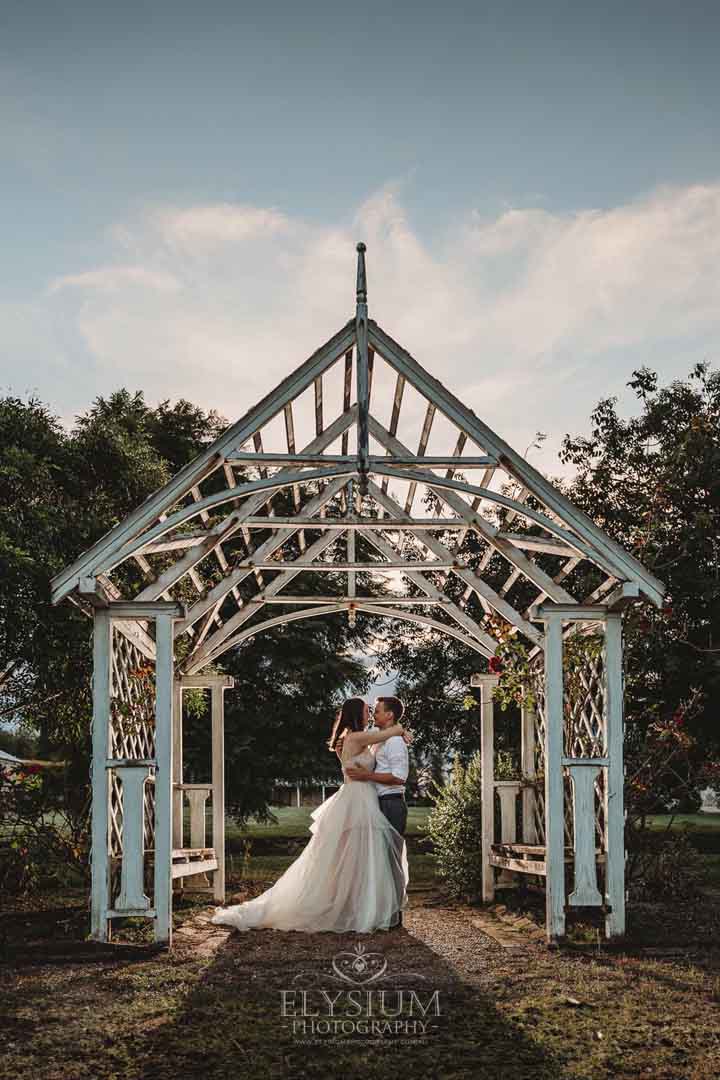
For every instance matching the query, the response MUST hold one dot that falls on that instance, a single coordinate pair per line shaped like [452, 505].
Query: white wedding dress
[351, 876]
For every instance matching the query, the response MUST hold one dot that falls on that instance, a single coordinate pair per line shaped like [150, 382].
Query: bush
[664, 865]
[42, 843]
[455, 827]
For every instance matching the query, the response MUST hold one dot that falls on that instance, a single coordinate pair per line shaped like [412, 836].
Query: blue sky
[182, 184]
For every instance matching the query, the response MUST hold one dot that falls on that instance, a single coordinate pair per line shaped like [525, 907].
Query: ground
[507, 1007]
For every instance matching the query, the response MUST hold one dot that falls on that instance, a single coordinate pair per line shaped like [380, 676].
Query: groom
[392, 764]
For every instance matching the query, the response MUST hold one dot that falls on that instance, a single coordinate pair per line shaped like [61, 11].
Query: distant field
[294, 823]
[694, 822]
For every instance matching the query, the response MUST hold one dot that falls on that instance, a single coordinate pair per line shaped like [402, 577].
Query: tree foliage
[652, 481]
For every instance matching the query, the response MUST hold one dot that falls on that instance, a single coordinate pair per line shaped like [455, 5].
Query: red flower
[495, 665]
[679, 717]
[667, 610]
[32, 769]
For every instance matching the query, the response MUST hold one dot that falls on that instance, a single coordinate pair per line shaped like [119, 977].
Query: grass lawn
[691, 822]
[295, 823]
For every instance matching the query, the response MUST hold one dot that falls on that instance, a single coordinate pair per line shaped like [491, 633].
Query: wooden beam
[434, 462]
[206, 682]
[572, 612]
[193, 866]
[520, 866]
[424, 436]
[281, 598]
[146, 609]
[91, 590]
[350, 567]
[537, 543]
[362, 524]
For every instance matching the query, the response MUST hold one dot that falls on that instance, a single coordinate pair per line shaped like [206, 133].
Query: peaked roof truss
[253, 513]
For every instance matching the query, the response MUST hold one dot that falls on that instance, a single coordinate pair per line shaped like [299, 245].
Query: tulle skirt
[351, 876]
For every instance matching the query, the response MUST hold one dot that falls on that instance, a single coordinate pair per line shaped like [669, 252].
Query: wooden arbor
[189, 574]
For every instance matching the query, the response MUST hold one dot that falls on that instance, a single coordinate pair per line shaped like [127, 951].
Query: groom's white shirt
[392, 756]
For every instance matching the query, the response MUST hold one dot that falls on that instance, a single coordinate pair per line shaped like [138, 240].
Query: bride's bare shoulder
[355, 739]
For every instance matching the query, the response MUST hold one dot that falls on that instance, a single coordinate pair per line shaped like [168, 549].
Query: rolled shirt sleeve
[396, 754]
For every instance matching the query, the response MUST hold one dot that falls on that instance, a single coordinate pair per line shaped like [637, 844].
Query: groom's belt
[392, 795]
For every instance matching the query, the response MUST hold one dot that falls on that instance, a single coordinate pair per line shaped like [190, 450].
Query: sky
[183, 185]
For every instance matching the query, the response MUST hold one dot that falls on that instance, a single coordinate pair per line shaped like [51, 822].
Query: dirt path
[224, 1004]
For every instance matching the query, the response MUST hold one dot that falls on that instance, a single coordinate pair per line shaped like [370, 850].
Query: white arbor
[189, 574]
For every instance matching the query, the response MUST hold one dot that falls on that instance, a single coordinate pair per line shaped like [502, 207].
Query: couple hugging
[353, 873]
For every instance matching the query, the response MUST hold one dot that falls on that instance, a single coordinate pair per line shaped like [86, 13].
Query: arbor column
[487, 684]
[218, 787]
[527, 771]
[177, 741]
[554, 794]
[163, 776]
[614, 779]
[100, 857]
[217, 685]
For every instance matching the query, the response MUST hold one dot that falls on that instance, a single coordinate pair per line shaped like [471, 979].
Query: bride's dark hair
[348, 718]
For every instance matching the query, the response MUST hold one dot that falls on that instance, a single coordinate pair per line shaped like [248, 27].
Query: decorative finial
[361, 275]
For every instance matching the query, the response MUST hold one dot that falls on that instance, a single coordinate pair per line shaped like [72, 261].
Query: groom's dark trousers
[394, 808]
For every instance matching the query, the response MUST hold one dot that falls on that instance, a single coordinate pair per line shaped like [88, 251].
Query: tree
[652, 481]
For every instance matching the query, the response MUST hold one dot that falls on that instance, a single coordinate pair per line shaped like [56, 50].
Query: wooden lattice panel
[538, 687]
[584, 736]
[132, 730]
[585, 728]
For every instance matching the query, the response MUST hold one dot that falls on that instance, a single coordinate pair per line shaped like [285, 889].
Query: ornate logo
[359, 967]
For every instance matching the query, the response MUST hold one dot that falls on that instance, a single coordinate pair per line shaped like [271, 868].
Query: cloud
[529, 316]
[117, 278]
[222, 225]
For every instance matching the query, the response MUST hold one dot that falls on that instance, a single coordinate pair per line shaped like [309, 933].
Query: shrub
[664, 866]
[42, 842]
[455, 827]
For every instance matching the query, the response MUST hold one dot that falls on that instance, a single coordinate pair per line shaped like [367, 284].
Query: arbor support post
[554, 794]
[487, 684]
[615, 778]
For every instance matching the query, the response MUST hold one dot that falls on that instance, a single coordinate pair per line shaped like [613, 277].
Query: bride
[353, 873]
